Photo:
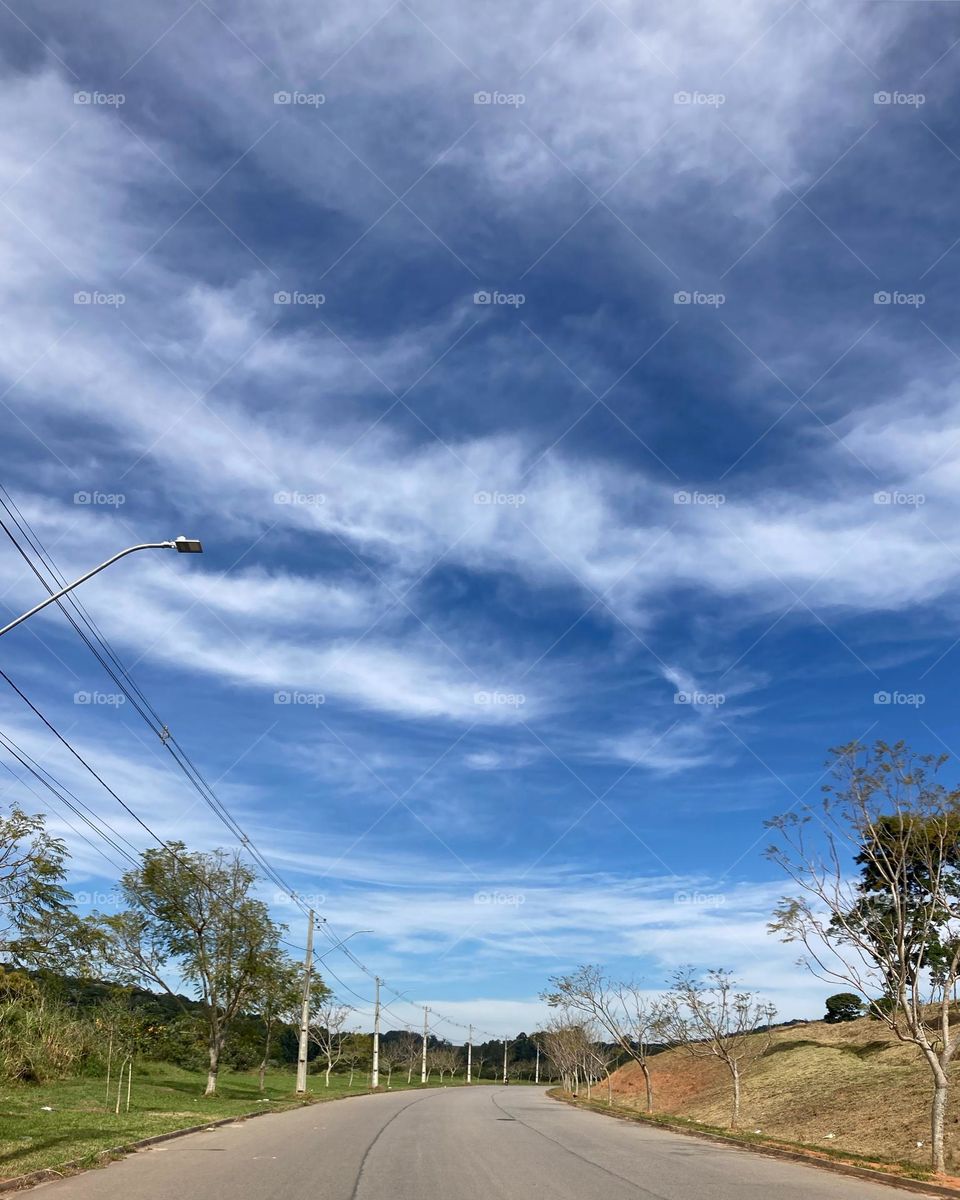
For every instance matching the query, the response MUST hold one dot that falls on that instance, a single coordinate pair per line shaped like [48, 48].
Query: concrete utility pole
[305, 1010]
[504, 1060]
[375, 1077]
[423, 1064]
[537, 1080]
[470, 1055]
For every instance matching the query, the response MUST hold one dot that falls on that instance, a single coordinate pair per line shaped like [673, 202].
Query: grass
[46, 1125]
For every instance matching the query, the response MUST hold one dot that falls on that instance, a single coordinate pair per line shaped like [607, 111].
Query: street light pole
[182, 544]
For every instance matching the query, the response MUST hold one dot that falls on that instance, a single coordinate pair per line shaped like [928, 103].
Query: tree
[621, 1009]
[192, 914]
[892, 935]
[393, 1054]
[327, 1021]
[443, 1058]
[408, 1049]
[357, 1052]
[38, 927]
[711, 1018]
[844, 1006]
[277, 994]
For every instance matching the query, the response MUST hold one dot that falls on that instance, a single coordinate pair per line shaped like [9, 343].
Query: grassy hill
[853, 1081]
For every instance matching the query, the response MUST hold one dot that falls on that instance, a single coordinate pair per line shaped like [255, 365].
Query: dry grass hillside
[853, 1081]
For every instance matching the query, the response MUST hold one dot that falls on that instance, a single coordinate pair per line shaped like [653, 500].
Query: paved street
[472, 1144]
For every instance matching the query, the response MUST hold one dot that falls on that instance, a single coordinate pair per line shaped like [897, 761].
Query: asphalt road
[481, 1143]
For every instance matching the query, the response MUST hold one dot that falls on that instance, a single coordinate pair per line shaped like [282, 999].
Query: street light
[321, 957]
[183, 545]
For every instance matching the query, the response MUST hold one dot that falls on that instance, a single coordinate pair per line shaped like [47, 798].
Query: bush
[40, 1039]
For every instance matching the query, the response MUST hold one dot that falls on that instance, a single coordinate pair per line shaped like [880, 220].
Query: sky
[565, 396]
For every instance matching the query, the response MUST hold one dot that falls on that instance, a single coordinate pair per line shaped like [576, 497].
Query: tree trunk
[266, 1056]
[350, 1084]
[648, 1084]
[735, 1072]
[214, 1069]
[327, 1073]
[937, 1112]
[409, 1074]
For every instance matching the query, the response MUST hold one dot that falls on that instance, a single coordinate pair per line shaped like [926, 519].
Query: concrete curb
[48, 1174]
[771, 1151]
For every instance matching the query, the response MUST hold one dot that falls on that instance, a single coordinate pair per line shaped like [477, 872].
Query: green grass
[82, 1125]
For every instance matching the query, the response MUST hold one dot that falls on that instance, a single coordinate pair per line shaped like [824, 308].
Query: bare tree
[710, 1018]
[393, 1054]
[892, 934]
[569, 1048]
[410, 1047]
[327, 1021]
[623, 1010]
[443, 1059]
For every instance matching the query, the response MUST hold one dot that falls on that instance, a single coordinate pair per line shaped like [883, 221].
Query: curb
[102, 1158]
[772, 1151]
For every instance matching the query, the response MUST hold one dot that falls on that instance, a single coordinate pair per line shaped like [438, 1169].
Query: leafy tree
[277, 992]
[844, 1006]
[192, 914]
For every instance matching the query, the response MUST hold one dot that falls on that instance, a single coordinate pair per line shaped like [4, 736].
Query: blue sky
[565, 397]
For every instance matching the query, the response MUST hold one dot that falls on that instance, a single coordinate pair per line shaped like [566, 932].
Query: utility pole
[305, 1010]
[537, 1080]
[423, 1063]
[504, 1060]
[470, 1056]
[375, 1080]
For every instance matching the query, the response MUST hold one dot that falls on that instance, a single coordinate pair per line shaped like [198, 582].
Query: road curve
[512, 1143]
